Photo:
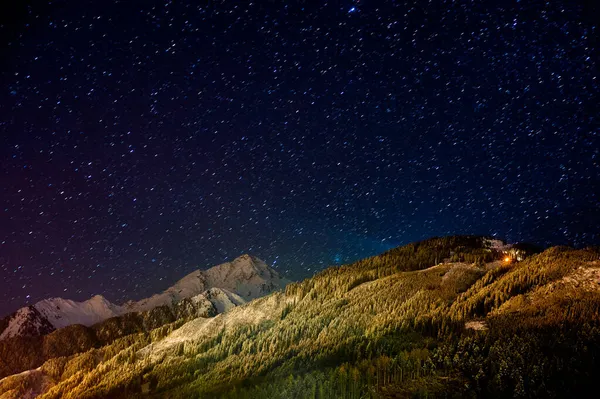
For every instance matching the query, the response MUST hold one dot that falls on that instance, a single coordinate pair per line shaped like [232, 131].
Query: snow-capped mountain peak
[246, 276]
[224, 286]
[26, 321]
[63, 312]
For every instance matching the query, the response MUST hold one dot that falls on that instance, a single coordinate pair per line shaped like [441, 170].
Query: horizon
[168, 284]
[140, 140]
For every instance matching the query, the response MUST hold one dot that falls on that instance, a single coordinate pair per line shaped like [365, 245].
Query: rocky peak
[98, 299]
[27, 321]
[228, 284]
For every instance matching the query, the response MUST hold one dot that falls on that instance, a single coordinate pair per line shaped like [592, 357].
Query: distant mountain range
[214, 291]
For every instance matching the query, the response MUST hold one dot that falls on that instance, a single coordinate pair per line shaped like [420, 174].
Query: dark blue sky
[141, 140]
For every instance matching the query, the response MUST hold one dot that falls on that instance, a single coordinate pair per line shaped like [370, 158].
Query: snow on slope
[223, 300]
[496, 244]
[247, 276]
[224, 286]
[253, 313]
[51, 314]
[26, 321]
[64, 312]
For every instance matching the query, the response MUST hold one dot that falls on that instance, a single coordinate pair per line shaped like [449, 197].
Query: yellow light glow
[507, 259]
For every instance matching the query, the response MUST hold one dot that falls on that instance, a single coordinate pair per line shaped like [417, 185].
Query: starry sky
[141, 140]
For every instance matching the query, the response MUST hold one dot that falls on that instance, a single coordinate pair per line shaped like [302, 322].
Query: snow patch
[476, 325]
[497, 245]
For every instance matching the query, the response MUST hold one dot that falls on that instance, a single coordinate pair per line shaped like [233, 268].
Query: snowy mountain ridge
[64, 312]
[246, 276]
[221, 287]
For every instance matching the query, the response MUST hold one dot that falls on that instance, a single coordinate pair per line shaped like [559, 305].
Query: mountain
[240, 280]
[58, 327]
[456, 316]
[246, 276]
[27, 321]
[64, 312]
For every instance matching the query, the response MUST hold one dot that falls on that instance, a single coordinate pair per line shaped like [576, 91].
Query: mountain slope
[31, 339]
[395, 325]
[244, 278]
[27, 321]
[64, 312]
[51, 314]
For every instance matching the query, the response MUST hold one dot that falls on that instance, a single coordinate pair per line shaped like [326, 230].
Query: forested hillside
[446, 317]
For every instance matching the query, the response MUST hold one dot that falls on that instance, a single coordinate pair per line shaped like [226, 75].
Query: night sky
[141, 140]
